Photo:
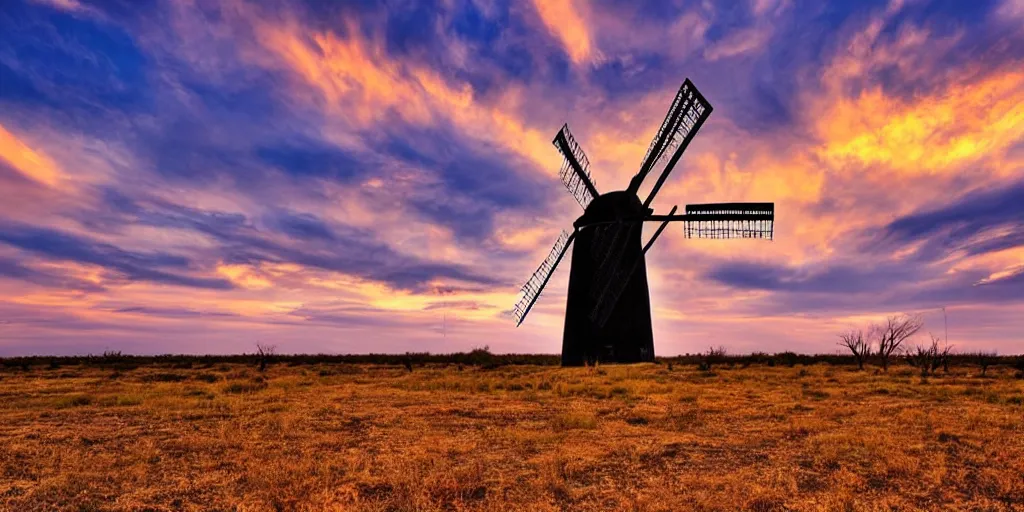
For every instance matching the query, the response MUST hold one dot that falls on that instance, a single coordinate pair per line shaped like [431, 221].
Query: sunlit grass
[376, 437]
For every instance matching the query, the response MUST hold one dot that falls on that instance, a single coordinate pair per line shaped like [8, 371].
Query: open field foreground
[372, 437]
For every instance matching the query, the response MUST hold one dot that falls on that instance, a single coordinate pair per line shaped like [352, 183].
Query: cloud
[363, 86]
[1010, 10]
[31, 164]
[738, 43]
[338, 248]
[64, 5]
[468, 305]
[298, 170]
[984, 221]
[564, 21]
[60, 246]
[978, 211]
[831, 278]
[50, 278]
[302, 226]
[940, 133]
[168, 312]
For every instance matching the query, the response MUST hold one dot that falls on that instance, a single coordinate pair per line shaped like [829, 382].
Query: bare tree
[929, 358]
[711, 357]
[891, 335]
[945, 356]
[857, 344]
[265, 353]
[984, 360]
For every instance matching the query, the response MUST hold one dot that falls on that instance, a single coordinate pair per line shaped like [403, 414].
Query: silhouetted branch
[891, 335]
[265, 353]
[858, 346]
[929, 358]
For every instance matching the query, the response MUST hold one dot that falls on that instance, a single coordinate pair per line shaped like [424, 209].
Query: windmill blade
[730, 220]
[687, 114]
[696, 111]
[531, 290]
[613, 288]
[661, 139]
[575, 171]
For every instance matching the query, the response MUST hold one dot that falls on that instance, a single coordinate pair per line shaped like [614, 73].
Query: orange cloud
[360, 82]
[930, 135]
[244, 276]
[564, 22]
[350, 71]
[34, 165]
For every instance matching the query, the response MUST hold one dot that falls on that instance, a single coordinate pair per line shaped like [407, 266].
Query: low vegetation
[760, 432]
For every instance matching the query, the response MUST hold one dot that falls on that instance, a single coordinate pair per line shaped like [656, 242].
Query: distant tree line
[483, 358]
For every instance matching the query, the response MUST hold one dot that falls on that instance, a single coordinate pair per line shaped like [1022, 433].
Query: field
[451, 437]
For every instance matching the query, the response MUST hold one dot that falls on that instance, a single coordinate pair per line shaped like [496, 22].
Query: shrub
[712, 357]
[574, 421]
[165, 377]
[929, 358]
[618, 391]
[237, 388]
[787, 358]
[265, 353]
[73, 401]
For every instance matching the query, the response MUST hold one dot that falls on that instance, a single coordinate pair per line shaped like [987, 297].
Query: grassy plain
[643, 437]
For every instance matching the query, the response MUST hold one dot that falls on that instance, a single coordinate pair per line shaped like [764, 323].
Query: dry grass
[345, 437]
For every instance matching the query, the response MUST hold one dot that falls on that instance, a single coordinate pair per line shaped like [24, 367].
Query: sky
[198, 176]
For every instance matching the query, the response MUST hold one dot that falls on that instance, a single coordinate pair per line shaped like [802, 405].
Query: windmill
[608, 307]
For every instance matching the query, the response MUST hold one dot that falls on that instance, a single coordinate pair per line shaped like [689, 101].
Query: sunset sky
[197, 176]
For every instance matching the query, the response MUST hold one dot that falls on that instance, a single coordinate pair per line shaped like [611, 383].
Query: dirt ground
[643, 437]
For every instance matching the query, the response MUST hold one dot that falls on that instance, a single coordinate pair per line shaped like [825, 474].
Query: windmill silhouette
[608, 307]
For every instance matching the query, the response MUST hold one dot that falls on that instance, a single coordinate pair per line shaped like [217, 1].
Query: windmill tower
[608, 307]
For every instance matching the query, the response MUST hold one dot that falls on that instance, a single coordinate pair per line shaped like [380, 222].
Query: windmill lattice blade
[687, 110]
[730, 220]
[531, 290]
[575, 171]
[696, 111]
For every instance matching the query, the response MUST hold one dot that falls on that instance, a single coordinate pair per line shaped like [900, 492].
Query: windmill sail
[575, 171]
[687, 114]
[661, 139]
[730, 220]
[531, 290]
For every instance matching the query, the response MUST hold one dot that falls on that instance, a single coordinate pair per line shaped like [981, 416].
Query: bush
[712, 357]
[574, 421]
[237, 388]
[165, 377]
[929, 358]
[73, 401]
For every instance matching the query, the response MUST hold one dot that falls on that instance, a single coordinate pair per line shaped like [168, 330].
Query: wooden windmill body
[608, 306]
[626, 336]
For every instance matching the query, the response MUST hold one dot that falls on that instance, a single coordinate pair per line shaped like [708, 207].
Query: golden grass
[346, 437]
